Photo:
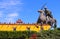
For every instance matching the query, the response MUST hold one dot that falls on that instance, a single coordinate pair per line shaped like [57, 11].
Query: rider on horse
[48, 13]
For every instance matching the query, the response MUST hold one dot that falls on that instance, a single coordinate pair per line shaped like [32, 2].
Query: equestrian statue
[46, 17]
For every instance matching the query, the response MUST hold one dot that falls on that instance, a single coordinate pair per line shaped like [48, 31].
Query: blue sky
[26, 10]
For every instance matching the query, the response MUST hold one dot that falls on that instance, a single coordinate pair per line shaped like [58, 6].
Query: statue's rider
[48, 13]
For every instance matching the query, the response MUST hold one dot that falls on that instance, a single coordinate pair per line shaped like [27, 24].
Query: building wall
[22, 27]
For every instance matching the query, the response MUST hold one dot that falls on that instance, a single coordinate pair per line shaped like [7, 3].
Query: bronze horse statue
[46, 20]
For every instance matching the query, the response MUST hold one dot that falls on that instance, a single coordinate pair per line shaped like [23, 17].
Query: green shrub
[49, 34]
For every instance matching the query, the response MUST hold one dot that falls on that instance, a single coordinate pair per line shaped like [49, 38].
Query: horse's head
[40, 11]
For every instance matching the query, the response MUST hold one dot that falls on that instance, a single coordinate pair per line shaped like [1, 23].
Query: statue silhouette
[46, 18]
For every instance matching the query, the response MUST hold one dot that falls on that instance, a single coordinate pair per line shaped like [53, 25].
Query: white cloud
[13, 15]
[9, 3]
[9, 9]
